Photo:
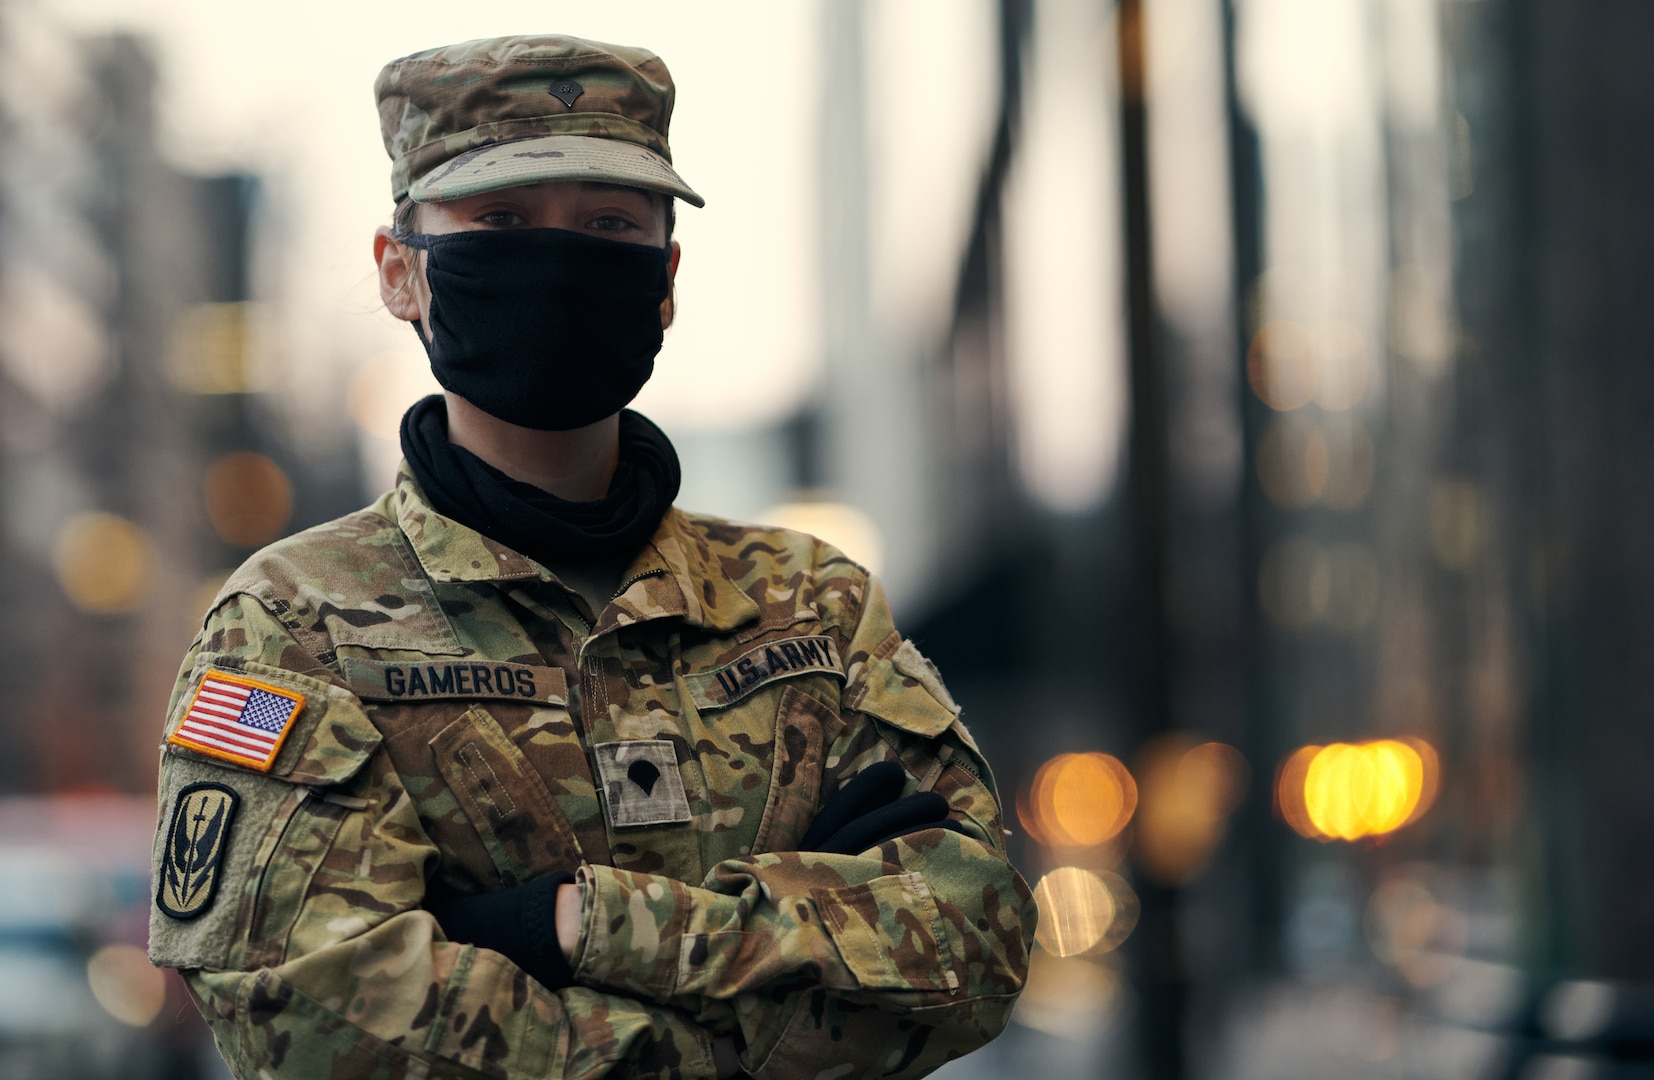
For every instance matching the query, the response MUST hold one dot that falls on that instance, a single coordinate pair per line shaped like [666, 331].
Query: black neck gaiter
[536, 523]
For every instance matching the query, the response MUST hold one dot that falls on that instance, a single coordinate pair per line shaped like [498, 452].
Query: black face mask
[543, 328]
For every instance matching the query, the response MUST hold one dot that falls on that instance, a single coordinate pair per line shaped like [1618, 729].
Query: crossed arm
[891, 957]
[893, 960]
[537, 925]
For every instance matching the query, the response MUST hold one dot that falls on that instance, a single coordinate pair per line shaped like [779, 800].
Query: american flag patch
[239, 720]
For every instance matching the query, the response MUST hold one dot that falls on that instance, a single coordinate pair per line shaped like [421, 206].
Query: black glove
[519, 922]
[870, 809]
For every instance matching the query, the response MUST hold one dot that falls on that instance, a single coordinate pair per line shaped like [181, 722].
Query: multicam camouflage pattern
[440, 108]
[318, 959]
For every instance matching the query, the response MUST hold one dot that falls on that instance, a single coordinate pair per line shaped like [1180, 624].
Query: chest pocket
[766, 707]
[804, 727]
[524, 832]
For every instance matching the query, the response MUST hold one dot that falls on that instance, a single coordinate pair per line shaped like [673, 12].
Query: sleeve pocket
[888, 932]
[268, 814]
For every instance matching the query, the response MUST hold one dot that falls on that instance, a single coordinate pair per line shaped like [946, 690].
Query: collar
[676, 574]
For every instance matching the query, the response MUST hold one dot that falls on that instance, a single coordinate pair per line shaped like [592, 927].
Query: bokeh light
[1070, 997]
[1303, 583]
[844, 526]
[1301, 461]
[125, 983]
[1291, 364]
[384, 386]
[1292, 462]
[1414, 932]
[1188, 790]
[1348, 791]
[1421, 318]
[105, 563]
[1075, 908]
[1457, 525]
[1127, 909]
[51, 342]
[249, 499]
[1078, 800]
[1289, 791]
[1281, 366]
[1430, 780]
[1577, 1010]
[212, 351]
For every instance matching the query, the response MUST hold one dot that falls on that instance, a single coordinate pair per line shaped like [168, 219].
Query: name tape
[393, 680]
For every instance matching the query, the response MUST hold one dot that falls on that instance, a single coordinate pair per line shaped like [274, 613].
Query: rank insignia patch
[641, 783]
[239, 720]
[195, 848]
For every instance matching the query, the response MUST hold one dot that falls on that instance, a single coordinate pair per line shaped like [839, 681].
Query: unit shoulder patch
[238, 720]
[194, 849]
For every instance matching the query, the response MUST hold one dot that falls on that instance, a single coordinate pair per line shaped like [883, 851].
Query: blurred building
[1243, 399]
[138, 465]
[1270, 491]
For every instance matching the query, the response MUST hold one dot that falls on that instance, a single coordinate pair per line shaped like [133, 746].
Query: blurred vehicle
[78, 997]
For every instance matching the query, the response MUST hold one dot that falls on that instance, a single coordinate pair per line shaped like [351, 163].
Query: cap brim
[551, 157]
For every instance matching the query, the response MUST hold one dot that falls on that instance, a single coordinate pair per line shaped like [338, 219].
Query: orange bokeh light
[1281, 366]
[249, 499]
[1347, 791]
[1188, 790]
[1431, 782]
[1289, 791]
[1078, 800]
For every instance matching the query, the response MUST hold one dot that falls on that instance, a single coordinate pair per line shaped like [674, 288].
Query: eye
[501, 219]
[611, 223]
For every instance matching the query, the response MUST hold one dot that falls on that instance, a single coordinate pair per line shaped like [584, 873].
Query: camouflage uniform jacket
[467, 723]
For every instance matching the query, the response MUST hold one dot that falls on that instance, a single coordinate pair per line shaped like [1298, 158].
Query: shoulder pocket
[904, 691]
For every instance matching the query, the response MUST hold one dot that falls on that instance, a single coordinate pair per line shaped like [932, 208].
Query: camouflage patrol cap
[497, 112]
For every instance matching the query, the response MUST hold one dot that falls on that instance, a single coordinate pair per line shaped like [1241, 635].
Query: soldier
[523, 771]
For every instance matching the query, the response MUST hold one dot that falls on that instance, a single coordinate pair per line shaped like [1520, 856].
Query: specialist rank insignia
[195, 846]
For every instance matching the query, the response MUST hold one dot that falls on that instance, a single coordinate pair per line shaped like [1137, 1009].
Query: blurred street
[1245, 403]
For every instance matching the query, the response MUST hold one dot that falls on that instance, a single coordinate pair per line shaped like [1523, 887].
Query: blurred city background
[1245, 402]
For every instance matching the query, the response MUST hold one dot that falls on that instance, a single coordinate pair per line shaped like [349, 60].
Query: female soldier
[523, 771]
